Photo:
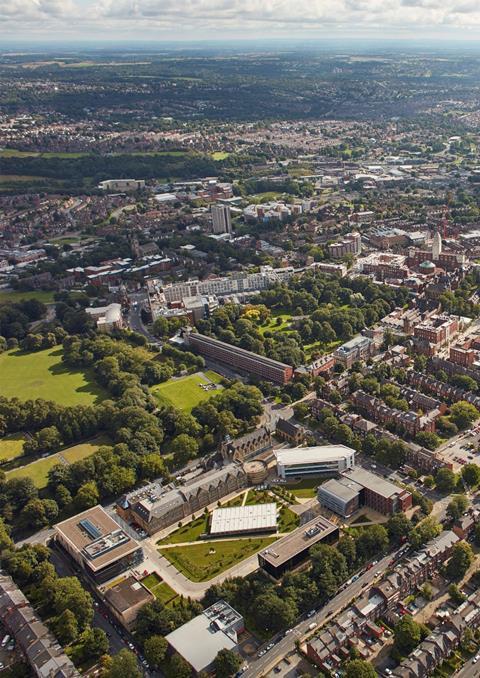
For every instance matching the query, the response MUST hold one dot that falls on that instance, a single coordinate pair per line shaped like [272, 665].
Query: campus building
[201, 639]
[293, 549]
[240, 359]
[98, 545]
[248, 445]
[357, 487]
[314, 461]
[358, 348]
[154, 507]
[126, 598]
[244, 519]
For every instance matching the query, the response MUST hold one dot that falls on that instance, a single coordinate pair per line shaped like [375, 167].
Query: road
[135, 317]
[284, 644]
[469, 670]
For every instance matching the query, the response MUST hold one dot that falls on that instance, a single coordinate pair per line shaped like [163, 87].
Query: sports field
[200, 562]
[187, 392]
[43, 375]
[11, 446]
[16, 295]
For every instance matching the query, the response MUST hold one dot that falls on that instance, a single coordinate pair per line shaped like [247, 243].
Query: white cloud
[242, 18]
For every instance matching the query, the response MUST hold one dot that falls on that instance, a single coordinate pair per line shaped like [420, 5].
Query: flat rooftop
[312, 455]
[200, 639]
[372, 482]
[96, 537]
[128, 593]
[343, 488]
[297, 541]
[244, 518]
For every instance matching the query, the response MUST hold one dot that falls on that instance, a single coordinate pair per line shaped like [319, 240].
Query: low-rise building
[244, 519]
[126, 598]
[201, 639]
[293, 549]
[98, 544]
[314, 461]
[247, 446]
[358, 348]
[290, 432]
[107, 318]
[410, 422]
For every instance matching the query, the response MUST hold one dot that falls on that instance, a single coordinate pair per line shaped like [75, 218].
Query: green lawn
[83, 450]
[160, 589]
[220, 155]
[288, 520]
[189, 532]
[43, 375]
[184, 393]
[37, 471]
[274, 326]
[16, 295]
[200, 562]
[305, 489]
[258, 497]
[11, 446]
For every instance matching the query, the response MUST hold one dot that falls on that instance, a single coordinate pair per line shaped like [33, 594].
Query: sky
[62, 20]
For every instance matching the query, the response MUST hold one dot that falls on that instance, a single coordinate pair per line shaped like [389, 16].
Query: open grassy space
[200, 562]
[16, 295]
[220, 155]
[304, 489]
[189, 532]
[43, 375]
[288, 520]
[84, 450]
[319, 346]
[184, 393]
[37, 471]
[258, 497]
[160, 589]
[11, 446]
[273, 325]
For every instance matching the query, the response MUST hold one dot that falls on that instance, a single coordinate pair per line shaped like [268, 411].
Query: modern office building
[240, 359]
[373, 491]
[201, 639]
[341, 496]
[98, 544]
[244, 519]
[314, 461]
[293, 549]
[221, 219]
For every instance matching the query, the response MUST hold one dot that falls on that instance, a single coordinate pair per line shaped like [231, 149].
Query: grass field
[200, 562]
[43, 375]
[84, 450]
[273, 325]
[220, 155]
[11, 446]
[304, 489]
[160, 589]
[37, 471]
[39, 295]
[184, 393]
[189, 532]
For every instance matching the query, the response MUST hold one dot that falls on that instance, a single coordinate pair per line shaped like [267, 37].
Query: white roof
[312, 455]
[244, 518]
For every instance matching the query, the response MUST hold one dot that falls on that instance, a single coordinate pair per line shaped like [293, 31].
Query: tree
[226, 663]
[123, 665]
[455, 594]
[463, 414]
[471, 474]
[425, 531]
[65, 627]
[184, 448]
[427, 591]
[457, 506]
[87, 496]
[70, 595]
[273, 613]
[445, 480]
[407, 635]
[398, 527]
[95, 643]
[155, 650]
[461, 559]
[428, 439]
[358, 668]
[178, 667]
